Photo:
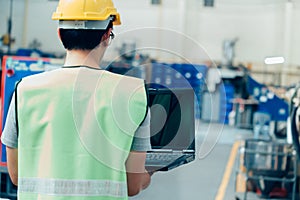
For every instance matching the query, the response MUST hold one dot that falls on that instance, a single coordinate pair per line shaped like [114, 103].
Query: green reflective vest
[75, 128]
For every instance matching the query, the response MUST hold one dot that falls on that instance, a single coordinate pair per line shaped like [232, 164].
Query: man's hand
[137, 177]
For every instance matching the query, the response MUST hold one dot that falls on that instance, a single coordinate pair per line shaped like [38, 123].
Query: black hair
[82, 39]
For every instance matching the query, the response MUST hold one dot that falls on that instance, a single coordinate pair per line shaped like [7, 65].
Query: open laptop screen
[172, 123]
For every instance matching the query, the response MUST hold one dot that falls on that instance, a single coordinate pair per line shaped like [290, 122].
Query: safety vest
[75, 128]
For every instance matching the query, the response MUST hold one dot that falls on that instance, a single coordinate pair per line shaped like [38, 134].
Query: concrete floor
[201, 179]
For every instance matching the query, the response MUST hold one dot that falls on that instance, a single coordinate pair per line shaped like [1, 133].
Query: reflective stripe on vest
[58, 187]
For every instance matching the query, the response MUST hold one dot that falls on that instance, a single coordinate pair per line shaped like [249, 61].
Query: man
[79, 132]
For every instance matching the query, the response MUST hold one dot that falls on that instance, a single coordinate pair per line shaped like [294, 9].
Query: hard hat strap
[83, 24]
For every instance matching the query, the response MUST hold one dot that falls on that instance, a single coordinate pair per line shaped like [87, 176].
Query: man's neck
[90, 58]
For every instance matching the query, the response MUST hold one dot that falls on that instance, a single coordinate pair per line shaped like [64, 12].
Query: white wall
[295, 48]
[40, 26]
[259, 25]
[257, 28]
[31, 20]
[17, 19]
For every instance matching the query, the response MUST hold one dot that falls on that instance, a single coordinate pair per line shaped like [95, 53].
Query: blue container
[194, 72]
[189, 75]
[157, 75]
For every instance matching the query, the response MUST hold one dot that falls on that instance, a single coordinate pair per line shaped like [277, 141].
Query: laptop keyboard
[162, 157]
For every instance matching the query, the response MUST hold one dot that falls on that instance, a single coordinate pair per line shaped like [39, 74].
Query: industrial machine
[15, 68]
[268, 162]
[295, 119]
[266, 168]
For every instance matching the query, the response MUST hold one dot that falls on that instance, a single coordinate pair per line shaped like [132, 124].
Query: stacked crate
[179, 75]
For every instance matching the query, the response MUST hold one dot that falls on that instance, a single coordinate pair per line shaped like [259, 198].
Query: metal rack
[7, 189]
[244, 169]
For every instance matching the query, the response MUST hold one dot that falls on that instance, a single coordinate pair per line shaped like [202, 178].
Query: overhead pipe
[25, 24]
[9, 27]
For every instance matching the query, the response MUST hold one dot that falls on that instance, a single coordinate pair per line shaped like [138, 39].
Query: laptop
[172, 128]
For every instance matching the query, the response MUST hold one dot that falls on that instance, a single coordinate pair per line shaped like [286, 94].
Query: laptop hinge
[161, 150]
[188, 151]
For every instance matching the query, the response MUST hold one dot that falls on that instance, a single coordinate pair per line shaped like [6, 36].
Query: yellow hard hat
[86, 10]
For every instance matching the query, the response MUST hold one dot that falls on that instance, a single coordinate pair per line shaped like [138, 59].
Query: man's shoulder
[122, 76]
[41, 75]
[45, 79]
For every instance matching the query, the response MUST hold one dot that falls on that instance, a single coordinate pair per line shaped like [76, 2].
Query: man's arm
[137, 177]
[10, 139]
[12, 164]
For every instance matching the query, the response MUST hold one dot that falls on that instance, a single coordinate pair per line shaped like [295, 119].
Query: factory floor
[211, 176]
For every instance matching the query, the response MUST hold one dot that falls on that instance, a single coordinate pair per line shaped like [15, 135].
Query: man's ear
[105, 37]
[58, 33]
[107, 34]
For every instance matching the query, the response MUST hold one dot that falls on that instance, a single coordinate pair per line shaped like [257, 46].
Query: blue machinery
[268, 101]
[13, 69]
[162, 75]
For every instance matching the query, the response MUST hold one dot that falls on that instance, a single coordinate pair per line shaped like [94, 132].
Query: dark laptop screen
[172, 123]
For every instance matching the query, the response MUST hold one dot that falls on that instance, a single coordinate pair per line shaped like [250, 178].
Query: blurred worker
[79, 132]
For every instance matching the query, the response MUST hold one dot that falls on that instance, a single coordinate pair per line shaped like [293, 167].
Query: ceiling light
[274, 60]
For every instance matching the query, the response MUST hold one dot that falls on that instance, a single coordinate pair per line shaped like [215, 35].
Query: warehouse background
[263, 27]
[185, 35]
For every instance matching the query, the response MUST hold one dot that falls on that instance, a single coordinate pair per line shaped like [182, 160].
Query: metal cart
[262, 165]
